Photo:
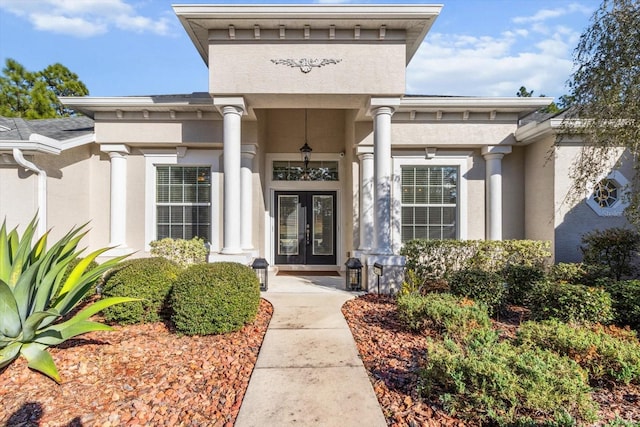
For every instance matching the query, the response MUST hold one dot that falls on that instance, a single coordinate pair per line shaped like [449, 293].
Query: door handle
[307, 233]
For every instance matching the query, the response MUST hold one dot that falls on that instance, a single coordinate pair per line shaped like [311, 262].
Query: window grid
[429, 202]
[183, 202]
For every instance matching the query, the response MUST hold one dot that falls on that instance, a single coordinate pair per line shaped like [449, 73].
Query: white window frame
[459, 160]
[182, 157]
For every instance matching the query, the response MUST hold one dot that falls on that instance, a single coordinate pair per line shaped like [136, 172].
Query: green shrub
[506, 385]
[570, 303]
[614, 248]
[215, 298]
[182, 252]
[485, 287]
[149, 279]
[437, 259]
[626, 302]
[445, 313]
[604, 356]
[520, 280]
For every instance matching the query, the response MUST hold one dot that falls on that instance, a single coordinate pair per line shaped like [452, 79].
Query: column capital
[500, 150]
[115, 150]
[249, 149]
[223, 103]
[364, 149]
[383, 106]
[365, 156]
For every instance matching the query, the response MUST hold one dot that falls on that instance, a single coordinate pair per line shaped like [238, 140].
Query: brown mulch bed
[135, 376]
[392, 355]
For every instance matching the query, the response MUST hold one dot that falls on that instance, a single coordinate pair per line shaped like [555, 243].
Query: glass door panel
[288, 220]
[322, 225]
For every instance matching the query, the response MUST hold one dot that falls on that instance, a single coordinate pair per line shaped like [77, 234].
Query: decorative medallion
[305, 64]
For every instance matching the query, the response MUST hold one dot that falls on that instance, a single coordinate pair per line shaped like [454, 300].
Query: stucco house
[305, 151]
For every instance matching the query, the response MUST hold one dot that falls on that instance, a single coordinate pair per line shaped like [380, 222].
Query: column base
[241, 258]
[116, 251]
[390, 282]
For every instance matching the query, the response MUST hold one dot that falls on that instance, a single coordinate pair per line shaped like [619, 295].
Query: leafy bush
[506, 385]
[614, 248]
[38, 298]
[149, 279]
[570, 303]
[602, 355]
[214, 298]
[520, 280]
[626, 302]
[437, 259]
[182, 252]
[446, 313]
[485, 287]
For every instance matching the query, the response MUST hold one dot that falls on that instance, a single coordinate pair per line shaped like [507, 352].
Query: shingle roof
[61, 129]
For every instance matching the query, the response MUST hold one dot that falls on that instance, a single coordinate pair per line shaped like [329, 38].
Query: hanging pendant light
[305, 150]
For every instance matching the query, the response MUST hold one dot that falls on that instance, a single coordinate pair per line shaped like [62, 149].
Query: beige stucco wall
[513, 214]
[574, 219]
[457, 134]
[539, 197]
[475, 196]
[285, 130]
[158, 132]
[18, 196]
[364, 68]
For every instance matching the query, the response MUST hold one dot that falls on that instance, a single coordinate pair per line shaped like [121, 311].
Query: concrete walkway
[308, 371]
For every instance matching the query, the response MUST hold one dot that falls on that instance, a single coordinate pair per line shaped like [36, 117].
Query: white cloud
[538, 57]
[84, 18]
[487, 66]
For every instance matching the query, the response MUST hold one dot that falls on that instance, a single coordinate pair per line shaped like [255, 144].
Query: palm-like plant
[35, 301]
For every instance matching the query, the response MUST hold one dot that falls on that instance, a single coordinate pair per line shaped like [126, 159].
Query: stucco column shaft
[232, 179]
[118, 227]
[246, 178]
[493, 186]
[366, 201]
[382, 178]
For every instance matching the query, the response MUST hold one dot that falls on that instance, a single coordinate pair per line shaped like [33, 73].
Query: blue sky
[138, 47]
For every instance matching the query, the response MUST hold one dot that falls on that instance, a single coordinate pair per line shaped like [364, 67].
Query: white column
[382, 178]
[118, 193]
[231, 166]
[366, 201]
[493, 184]
[246, 178]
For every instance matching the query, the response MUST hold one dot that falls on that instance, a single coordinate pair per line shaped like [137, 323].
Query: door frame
[272, 186]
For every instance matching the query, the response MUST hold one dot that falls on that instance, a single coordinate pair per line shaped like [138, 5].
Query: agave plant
[36, 300]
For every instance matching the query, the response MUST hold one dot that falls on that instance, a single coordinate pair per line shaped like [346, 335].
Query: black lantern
[354, 274]
[261, 267]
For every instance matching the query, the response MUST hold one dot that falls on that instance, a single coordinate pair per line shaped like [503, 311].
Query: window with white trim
[183, 202]
[429, 202]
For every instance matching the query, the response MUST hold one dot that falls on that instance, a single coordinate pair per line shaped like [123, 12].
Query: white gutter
[42, 189]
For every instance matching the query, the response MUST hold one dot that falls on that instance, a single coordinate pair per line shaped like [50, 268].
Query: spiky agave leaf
[9, 353]
[40, 359]
[30, 279]
[10, 325]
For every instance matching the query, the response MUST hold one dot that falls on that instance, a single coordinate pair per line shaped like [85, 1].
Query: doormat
[307, 273]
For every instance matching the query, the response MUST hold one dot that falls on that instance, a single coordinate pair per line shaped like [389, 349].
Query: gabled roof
[45, 135]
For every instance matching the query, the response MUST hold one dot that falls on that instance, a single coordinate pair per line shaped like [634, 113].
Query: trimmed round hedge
[150, 279]
[214, 298]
